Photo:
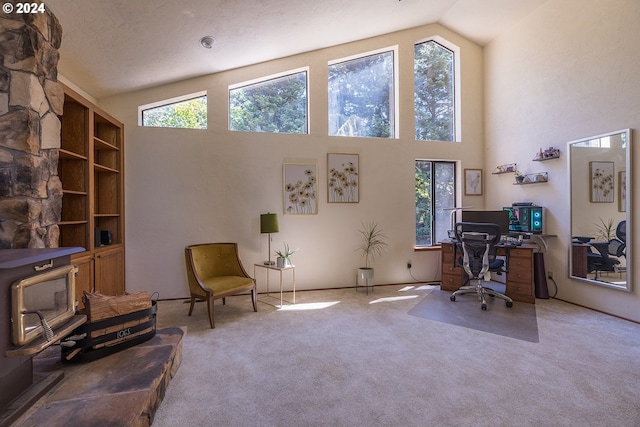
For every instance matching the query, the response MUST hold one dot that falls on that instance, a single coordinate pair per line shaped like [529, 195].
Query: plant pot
[282, 262]
[365, 273]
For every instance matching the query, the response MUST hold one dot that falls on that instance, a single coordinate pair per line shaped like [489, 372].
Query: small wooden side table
[280, 270]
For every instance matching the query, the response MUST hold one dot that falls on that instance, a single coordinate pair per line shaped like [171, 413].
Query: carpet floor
[345, 358]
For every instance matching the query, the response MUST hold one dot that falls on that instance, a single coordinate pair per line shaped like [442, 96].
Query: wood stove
[37, 309]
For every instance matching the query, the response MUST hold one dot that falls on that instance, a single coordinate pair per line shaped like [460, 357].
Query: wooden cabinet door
[84, 277]
[109, 265]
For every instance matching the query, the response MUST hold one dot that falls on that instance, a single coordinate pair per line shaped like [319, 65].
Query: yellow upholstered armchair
[214, 271]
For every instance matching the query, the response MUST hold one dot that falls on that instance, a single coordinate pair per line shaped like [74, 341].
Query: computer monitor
[501, 218]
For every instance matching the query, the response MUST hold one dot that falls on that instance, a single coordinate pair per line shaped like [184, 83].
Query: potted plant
[284, 257]
[519, 177]
[373, 242]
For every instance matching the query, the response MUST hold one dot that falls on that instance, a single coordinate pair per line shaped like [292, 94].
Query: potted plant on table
[284, 257]
[373, 243]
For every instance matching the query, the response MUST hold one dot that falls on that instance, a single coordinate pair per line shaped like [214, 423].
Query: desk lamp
[268, 225]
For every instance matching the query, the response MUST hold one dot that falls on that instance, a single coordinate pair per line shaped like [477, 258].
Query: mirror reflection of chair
[621, 234]
[606, 256]
[478, 244]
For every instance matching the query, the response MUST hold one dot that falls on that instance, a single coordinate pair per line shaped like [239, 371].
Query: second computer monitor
[495, 217]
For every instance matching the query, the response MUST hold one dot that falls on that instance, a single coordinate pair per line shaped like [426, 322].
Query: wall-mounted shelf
[506, 168]
[548, 154]
[533, 178]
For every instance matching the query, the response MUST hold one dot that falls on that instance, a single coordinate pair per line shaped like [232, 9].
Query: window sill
[426, 248]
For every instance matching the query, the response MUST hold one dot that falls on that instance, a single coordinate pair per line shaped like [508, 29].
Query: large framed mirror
[600, 183]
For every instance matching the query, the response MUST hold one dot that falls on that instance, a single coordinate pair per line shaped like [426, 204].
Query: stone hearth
[122, 389]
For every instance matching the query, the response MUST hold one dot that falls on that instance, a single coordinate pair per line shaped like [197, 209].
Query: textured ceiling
[116, 46]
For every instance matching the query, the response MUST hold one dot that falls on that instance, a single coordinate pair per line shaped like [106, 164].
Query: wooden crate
[114, 324]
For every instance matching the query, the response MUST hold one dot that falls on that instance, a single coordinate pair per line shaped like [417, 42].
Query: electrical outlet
[409, 264]
[550, 274]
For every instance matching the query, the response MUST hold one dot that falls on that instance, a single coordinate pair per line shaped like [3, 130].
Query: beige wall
[568, 71]
[193, 186]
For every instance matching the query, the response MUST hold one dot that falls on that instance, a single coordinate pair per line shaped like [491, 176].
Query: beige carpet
[341, 358]
[517, 322]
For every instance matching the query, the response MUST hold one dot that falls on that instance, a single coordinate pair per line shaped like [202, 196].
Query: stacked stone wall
[31, 101]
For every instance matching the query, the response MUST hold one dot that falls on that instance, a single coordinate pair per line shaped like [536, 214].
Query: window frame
[395, 102]
[265, 79]
[457, 97]
[168, 102]
[433, 205]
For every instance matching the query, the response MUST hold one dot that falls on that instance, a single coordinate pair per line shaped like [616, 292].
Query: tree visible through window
[361, 97]
[435, 192]
[434, 92]
[189, 114]
[277, 105]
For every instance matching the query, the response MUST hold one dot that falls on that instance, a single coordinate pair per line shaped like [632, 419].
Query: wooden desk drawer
[523, 275]
[450, 268]
[451, 282]
[519, 288]
[516, 264]
[519, 253]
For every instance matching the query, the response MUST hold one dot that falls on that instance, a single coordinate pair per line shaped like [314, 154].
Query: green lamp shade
[269, 223]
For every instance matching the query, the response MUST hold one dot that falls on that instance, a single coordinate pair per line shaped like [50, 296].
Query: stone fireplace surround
[31, 101]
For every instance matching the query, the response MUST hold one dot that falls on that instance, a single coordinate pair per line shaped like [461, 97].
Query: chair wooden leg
[210, 310]
[193, 301]
[254, 299]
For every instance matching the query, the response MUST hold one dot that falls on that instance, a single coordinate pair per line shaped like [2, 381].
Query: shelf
[71, 155]
[104, 169]
[74, 192]
[506, 168]
[544, 159]
[534, 178]
[79, 222]
[99, 144]
[548, 154]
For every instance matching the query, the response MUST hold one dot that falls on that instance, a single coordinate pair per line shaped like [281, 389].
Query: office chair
[606, 254]
[478, 243]
[621, 234]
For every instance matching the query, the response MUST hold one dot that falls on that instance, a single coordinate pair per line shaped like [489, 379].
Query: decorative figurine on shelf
[549, 153]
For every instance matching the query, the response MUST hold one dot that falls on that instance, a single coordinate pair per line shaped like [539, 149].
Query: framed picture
[473, 182]
[622, 191]
[300, 187]
[343, 183]
[601, 185]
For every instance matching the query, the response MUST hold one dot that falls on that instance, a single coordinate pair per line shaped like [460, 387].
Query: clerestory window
[187, 112]
[362, 100]
[435, 92]
[274, 104]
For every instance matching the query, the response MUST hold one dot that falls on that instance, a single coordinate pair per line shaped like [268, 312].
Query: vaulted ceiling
[116, 46]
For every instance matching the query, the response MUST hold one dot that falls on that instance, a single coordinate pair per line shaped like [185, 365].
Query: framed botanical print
[473, 182]
[601, 183]
[343, 182]
[622, 191]
[300, 188]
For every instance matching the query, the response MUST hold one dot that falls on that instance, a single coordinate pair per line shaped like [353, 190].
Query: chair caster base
[484, 307]
[509, 304]
[452, 297]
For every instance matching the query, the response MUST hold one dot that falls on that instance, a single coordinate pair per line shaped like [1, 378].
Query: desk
[280, 270]
[519, 283]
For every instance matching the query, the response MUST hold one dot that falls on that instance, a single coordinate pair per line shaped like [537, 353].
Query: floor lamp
[268, 225]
